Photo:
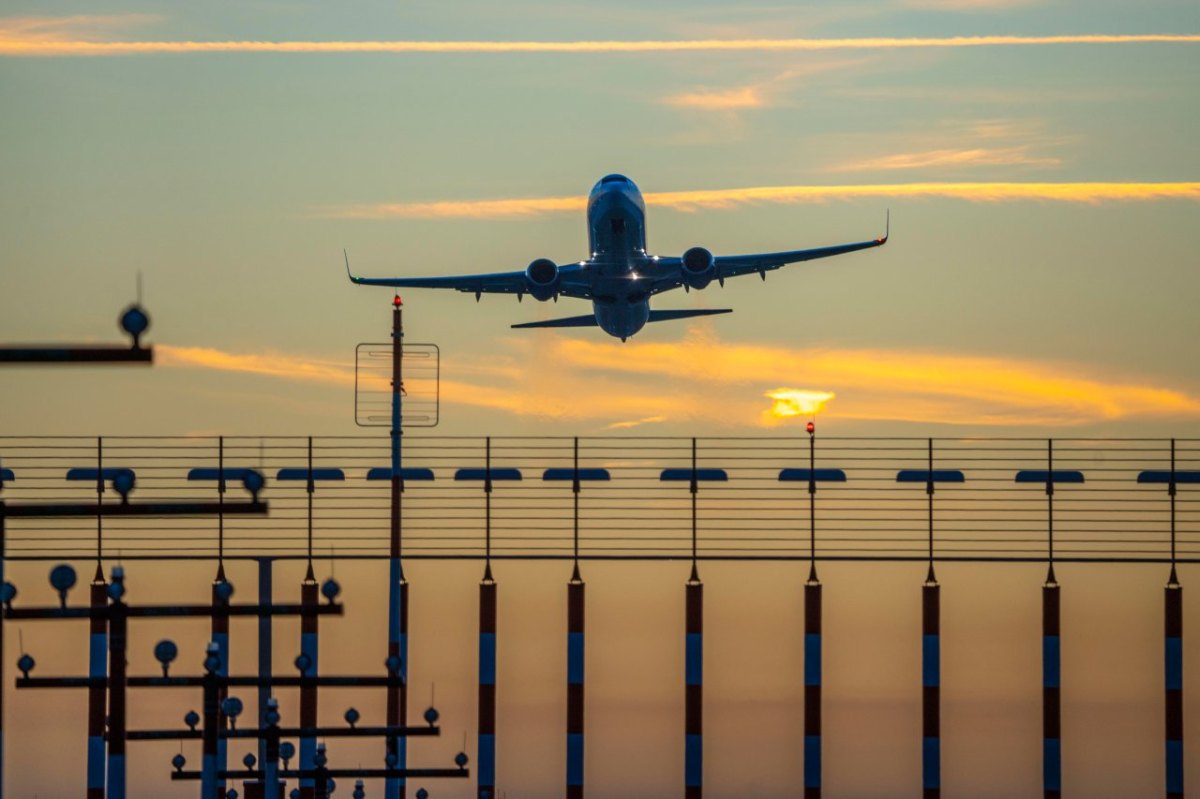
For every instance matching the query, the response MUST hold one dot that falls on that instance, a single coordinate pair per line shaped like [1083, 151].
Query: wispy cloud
[71, 27]
[269, 364]
[734, 385]
[973, 156]
[626, 425]
[954, 145]
[81, 36]
[968, 5]
[695, 200]
[719, 99]
[769, 91]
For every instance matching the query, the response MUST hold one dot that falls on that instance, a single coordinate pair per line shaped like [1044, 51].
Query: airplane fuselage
[619, 276]
[616, 219]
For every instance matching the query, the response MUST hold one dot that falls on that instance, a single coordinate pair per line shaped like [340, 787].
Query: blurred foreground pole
[3, 518]
[118, 644]
[264, 656]
[97, 651]
[309, 652]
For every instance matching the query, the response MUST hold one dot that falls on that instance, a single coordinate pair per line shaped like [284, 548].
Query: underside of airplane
[620, 276]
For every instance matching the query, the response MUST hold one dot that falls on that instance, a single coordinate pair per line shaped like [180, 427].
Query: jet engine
[542, 279]
[698, 267]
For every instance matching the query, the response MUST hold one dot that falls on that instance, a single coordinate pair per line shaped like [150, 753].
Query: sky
[1037, 158]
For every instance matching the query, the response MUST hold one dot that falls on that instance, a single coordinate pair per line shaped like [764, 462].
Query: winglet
[353, 279]
[887, 227]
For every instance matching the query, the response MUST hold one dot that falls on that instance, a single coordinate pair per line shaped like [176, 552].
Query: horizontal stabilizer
[666, 316]
[569, 321]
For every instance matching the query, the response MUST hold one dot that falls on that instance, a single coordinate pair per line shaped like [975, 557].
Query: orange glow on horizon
[722, 384]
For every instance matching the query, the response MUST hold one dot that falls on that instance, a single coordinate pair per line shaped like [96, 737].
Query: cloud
[461, 209]
[69, 28]
[880, 384]
[759, 94]
[635, 423]
[731, 385]
[968, 5]
[269, 364]
[17, 38]
[719, 99]
[695, 200]
[959, 144]
[974, 156]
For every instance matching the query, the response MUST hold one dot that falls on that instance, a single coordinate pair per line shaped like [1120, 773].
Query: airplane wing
[726, 266]
[571, 283]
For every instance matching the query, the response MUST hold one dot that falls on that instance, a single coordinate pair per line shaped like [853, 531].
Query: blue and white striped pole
[931, 680]
[97, 670]
[487, 649]
[210, 734]
[1173, 644]
[575, 628]
[575, 650]
[693, 766]
[220, 637]
[812, 638]
[1051, 653]
[1173, 659]
[118, 646]
[1173, 599]
[486, 780]
[6, 475]
[931, 654]
[1051, 691]
[1051, 629]
[812, 686]
[265, 598]
[308, 690]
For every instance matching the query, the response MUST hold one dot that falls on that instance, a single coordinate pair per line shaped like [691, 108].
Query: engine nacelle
[698, 267]
[542, 278]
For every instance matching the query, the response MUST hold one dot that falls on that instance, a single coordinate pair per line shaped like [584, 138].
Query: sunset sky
[1038, 158]
[1041, 174]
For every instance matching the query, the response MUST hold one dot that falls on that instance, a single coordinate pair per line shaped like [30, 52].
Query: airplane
[620, 277]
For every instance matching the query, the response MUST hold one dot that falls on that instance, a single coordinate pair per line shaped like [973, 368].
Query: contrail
[19, 43]
[1090, 193]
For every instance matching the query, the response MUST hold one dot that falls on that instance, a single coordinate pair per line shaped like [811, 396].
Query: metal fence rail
[1111, 516]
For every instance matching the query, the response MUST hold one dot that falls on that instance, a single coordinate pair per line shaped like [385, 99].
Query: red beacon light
[811, 428]
[396, 301]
